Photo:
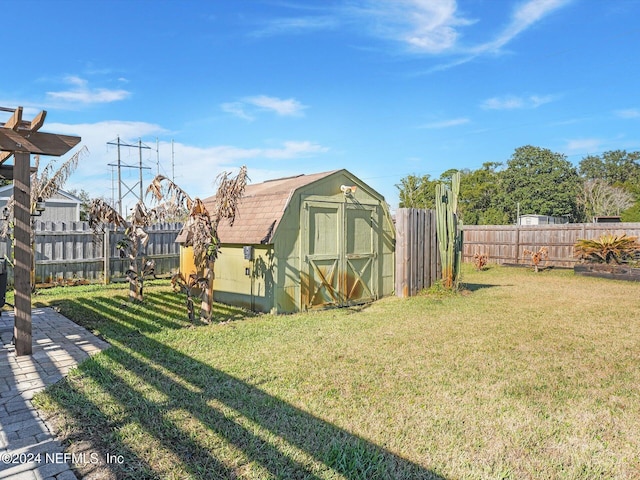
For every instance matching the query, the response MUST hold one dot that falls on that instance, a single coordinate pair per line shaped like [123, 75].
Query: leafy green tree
[620, 170]
[479, 193]
[480, 196]
[417, 192]
[85, 202]
[541, 182]
[616, 167]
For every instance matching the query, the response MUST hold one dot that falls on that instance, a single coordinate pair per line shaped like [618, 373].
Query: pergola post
[22, 252]
[20, 139]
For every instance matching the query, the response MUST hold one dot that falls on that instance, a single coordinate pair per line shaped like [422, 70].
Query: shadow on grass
[474, 287]
[196, 412]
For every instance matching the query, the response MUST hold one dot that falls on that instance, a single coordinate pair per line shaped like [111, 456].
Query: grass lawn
[524, 376]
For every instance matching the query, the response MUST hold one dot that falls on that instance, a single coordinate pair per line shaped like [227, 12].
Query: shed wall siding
[287, 258]
[278, 268]
[244, 283]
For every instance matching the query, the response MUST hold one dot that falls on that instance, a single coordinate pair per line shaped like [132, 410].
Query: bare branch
[598, 198]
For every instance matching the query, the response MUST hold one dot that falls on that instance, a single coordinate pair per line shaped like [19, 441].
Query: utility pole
[113, 187]
[173, 163]
[140, 165]
[139, 146]
[119, 181]
[157, 156]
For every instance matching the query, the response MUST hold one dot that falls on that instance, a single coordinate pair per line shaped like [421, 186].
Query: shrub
[608, 248]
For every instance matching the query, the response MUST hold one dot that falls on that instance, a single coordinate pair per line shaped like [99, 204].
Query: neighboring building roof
[7, 190]
[261, 209]
[607, 219]
[534, 219]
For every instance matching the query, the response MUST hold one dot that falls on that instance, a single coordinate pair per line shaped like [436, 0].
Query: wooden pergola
[19, 138]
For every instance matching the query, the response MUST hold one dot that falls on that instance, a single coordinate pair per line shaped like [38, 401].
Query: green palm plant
[608, 248]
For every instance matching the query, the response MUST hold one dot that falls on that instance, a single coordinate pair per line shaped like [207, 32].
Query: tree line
[538, 181]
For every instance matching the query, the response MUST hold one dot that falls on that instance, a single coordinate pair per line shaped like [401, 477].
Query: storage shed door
[322, 243]
[339, 257]
[360, 256]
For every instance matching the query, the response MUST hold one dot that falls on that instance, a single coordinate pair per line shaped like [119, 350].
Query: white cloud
[103, 132]
[196, 167]
[284, 107]
[536, 100]
[628, 113]
[436, 27]
[583, 145]
[454, 122]
[423, 25]
[249, 107]
[507, 102]
[296, 25]
[433, 26]
[81, 93]
[237, 109]
[523, 17]
[292, 150]
[511, 102]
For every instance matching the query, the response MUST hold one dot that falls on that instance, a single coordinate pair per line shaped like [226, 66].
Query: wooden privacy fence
[417, 256]
[505, 244]
[70, 250]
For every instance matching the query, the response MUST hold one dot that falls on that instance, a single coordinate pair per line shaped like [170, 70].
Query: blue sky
[383, 88]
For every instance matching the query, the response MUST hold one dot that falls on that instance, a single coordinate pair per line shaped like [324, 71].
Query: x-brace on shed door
[339, 260]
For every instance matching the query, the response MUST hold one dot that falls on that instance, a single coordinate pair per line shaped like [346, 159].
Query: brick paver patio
[28, 450]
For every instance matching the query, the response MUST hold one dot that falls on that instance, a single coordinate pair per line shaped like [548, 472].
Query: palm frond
[101, 214]
[228, 196]
[6, 224]
[139, 215]
[47, 185]
[162, 188]
[607, 248]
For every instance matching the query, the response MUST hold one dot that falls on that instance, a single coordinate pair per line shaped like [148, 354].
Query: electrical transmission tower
[129, 190]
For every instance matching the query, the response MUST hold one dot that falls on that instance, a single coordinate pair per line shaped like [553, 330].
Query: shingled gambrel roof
[261, 209]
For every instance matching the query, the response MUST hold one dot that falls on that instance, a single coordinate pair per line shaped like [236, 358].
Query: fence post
[417, 259]
[107, 256]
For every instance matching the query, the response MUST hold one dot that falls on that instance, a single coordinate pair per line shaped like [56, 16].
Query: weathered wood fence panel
[417, 258]
[70, 250]
[505, 244]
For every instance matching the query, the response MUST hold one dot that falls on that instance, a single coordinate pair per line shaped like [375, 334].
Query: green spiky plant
[608, 248]
[449, 235]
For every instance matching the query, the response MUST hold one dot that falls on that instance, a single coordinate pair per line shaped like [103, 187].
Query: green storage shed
[304, 242]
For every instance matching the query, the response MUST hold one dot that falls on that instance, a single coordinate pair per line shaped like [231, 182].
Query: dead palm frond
[102, 214]
[480, 260]
[50, 180]
[202, 224]
[44, 184]
[162, 188]
[537, 258]
[201, 228]
[228, 195]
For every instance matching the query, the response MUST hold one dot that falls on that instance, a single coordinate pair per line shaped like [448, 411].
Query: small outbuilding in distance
[304, 242]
